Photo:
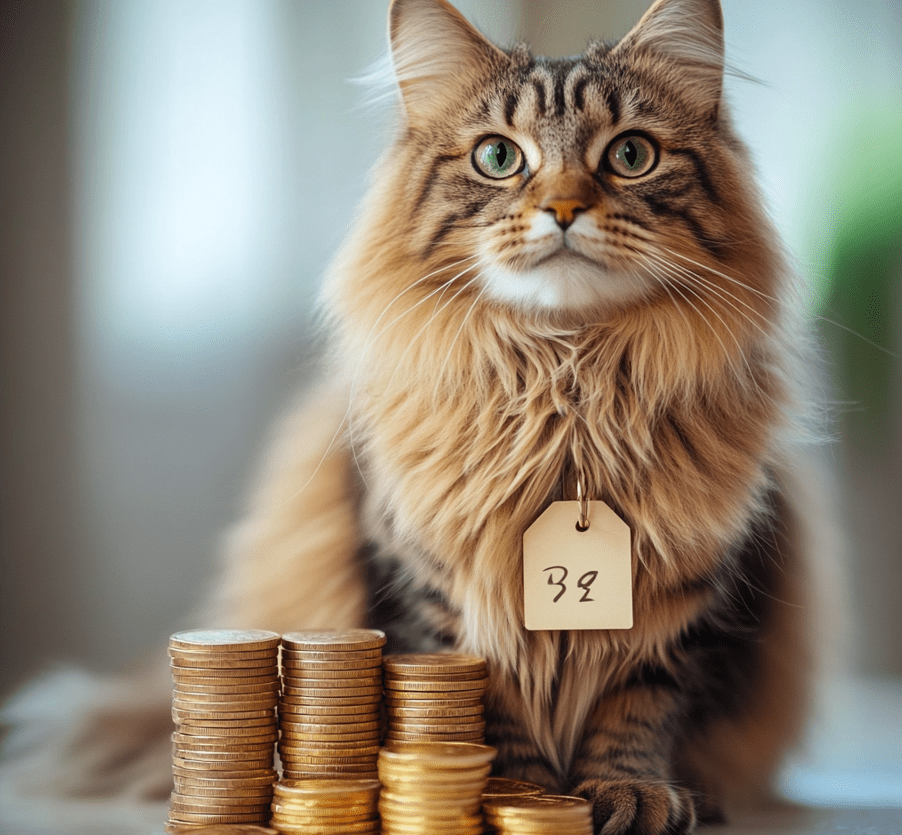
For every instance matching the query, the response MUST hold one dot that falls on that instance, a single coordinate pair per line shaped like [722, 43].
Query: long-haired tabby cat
[562, 274]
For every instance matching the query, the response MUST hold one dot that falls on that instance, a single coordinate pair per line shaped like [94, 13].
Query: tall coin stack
[435, 698]
[543, 815]
[329, 712]
[225, 691]
[313, 807]
[433, 788]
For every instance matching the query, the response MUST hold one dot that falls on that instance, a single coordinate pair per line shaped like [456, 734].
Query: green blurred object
[863, 292]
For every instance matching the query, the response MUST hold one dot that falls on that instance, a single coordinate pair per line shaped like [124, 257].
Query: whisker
[724, 295]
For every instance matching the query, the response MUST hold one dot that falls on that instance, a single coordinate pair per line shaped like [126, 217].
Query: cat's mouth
[564, 280]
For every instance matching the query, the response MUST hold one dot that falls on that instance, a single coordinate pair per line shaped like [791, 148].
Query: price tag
[578, 579]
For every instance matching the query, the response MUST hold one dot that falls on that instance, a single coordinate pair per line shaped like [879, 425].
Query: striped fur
[484, 357]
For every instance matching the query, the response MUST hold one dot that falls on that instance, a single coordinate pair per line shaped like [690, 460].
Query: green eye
[631, 156]
[498, 158]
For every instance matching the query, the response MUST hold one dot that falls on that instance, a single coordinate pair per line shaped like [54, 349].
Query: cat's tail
[290, 563]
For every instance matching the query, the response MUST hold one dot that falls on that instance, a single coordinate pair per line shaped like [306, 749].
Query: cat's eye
[631, 156]
[498, 158]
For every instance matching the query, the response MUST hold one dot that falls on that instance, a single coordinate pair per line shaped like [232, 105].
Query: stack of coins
[435, 698]
[432, 788]
[329, 713]
[543, 815]
[312, 807]
[225, 690]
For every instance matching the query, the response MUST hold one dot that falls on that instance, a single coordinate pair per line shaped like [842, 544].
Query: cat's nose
[564, 210]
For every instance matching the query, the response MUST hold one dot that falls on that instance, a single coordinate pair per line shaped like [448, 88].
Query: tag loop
[583, 522]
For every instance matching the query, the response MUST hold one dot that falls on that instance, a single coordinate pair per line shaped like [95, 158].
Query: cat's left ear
[434, 48]
[690, 34]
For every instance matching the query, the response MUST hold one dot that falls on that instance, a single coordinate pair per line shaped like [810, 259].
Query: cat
[562, 278]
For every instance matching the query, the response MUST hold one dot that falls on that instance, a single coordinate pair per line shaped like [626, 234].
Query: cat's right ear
[434, 48]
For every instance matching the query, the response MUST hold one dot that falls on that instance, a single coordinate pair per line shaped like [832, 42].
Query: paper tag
[576, 579]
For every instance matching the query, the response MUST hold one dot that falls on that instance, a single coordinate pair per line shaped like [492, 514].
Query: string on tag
[582, 524]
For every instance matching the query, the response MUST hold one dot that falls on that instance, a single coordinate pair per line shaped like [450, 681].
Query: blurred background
[175, 175]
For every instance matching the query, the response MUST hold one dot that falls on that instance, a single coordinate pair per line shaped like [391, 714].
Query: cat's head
[573, 187]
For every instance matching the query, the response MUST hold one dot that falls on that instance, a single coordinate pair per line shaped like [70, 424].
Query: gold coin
[357, 828]
[182, 688]
[302, 664]
[225, 700]
[219, 655]
[299, 686]
[225, 727]
[429, 712]
[198, 818]
[197, 762]
[331, 687]
[235, 829]
[295, 671]
[182, 805]
[233, 675]
[198, 739]
[407, 736]
[318, 788]
[426, 662]
[504, 787]
[363, 738]
[199, 752]
[204, 663]
[181, 713]
[326, 655]
[301, 704]
[544, 807]
[349, 813]
[454, 724]
[452, 754]
[415, 699]
[244, 779]
[454, 795]
[226, 639]
[334, 640]
[236, 793]
[326, 711]
[437, 686]
[328, 772]
[331, 731]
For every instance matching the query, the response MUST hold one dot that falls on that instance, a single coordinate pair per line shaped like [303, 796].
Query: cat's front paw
[637, 807]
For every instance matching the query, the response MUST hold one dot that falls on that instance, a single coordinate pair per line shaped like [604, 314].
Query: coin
[424, 662]
[322, 679]
[504, 787]
[225, 639]
[234, 829]
[351, 663]
[334, 640]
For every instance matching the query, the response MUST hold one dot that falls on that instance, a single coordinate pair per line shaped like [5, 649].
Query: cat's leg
[623, 764]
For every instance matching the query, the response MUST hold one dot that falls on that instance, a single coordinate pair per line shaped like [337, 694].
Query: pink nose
[564, 210]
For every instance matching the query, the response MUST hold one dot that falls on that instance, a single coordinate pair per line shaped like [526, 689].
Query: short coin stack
[542, 815]
[225, 690]
[312, 807]
[433, 788]
[435, 698]
[329, 713]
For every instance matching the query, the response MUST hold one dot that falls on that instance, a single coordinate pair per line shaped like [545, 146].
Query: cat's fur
[485, 358]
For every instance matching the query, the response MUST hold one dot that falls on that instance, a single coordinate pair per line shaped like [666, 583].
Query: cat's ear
[434, 48]
[690, 34]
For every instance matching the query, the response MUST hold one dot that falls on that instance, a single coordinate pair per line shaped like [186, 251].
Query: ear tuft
[690, 34]
[433, 46]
